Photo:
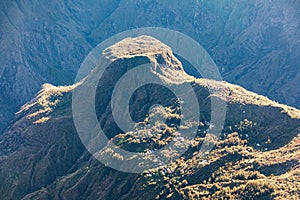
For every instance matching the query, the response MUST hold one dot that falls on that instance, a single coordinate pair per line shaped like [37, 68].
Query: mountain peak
[140, 46]
[165, 64]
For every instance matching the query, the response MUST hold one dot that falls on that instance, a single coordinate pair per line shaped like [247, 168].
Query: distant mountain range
[256, 157]
[254, 43]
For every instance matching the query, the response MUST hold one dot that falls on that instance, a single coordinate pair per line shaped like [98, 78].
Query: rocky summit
[256, 156]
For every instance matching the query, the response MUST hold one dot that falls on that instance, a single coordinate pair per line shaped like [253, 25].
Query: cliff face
[255, 44]
[43, 42]
[257, 156]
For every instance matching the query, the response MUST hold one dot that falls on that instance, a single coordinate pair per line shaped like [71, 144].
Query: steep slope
[33, 38]
[42, 156]
[254, 43]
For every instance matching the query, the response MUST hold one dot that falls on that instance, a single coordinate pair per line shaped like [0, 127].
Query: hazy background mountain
[254, 43]
[43, 42]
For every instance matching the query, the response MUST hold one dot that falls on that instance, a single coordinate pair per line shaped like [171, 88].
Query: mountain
[256, 156]
[254, 43]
